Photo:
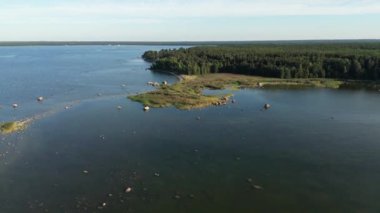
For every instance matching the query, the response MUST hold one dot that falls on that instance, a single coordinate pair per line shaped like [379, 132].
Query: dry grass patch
[188, 93]
[14, 126]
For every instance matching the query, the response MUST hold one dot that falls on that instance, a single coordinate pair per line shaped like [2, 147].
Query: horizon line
[2, 43]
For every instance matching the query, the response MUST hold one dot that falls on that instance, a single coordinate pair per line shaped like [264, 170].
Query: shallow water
[315, 150]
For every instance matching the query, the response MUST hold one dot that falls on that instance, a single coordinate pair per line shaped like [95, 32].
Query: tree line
[344, 61]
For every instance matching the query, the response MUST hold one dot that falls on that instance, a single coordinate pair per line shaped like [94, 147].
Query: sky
[188, 20]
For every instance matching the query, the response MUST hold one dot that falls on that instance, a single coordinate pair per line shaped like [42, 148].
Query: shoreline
[188, 92]
[178, 76]
[9, 127]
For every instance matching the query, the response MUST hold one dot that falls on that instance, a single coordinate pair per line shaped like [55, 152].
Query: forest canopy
[330, 60]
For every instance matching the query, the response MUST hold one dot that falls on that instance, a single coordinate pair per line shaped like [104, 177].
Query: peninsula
[338, 65]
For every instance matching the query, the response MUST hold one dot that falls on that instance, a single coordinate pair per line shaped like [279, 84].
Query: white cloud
[187, 19]
[147, 11]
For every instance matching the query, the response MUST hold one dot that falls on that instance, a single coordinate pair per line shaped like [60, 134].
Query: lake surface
[315, 150]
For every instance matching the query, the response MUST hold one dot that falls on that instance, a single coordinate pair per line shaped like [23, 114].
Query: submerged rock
[257, 187]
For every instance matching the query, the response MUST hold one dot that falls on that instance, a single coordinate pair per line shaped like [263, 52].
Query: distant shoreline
[176, 43]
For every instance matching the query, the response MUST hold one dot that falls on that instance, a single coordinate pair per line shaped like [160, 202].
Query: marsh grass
[14, 126]
[179, 95]
[188, 93]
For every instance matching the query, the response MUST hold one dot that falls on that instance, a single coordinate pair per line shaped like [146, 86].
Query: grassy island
[14, 126]
[188, 93]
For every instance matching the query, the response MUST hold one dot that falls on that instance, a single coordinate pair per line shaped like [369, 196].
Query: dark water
[313, 151]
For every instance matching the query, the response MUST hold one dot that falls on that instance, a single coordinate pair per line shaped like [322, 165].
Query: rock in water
[127, 190]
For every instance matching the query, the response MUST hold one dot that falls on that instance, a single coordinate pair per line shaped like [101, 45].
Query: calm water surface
[313, 151]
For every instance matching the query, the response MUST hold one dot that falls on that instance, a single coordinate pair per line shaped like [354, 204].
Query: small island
[14, 126]
[351, 65]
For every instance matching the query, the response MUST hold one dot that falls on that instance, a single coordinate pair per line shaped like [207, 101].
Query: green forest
[329, 60]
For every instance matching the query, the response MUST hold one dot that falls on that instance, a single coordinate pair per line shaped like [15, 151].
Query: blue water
[67, 74]
[315, 150]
